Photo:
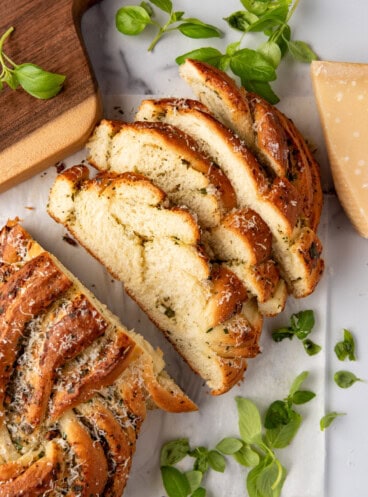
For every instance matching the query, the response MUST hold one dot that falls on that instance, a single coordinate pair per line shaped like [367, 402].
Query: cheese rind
[341, 90]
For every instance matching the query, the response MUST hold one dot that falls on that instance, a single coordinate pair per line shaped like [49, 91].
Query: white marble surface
[329, 464]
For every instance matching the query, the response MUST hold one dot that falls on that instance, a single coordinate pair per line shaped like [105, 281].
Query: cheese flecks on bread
[341, 94]
[127, 223]
[74, 382]
[171, 159]
[296, 247]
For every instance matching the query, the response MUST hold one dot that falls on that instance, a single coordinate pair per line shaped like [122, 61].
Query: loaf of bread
[171, 159]
[74, 383]
[153, 247]
[295, 245]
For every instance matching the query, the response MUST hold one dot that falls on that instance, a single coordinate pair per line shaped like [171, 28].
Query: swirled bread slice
[74, 383]
[171, 159]
[296, 247]
[270, 135]
[127, 223]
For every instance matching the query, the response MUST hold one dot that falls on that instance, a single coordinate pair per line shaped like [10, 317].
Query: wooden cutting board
[35, 134]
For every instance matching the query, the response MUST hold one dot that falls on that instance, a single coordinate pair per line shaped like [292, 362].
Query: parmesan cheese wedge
[341, 91]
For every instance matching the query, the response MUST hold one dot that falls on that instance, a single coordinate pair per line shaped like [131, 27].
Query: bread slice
[127, 223]
[172, 161]
[270, 135]
[74, 382]
[296, 247]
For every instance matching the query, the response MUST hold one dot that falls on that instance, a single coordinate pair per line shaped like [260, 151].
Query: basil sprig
[133, 19]
[301, 325]
[254, 448]
[345, 349]
[34, 80]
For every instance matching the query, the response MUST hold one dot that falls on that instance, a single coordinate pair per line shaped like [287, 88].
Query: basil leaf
[297, 383]
[280, 333]
[241, 20]
[283, 40]
[301, 51]
[132, 20]
[310, 347]
[246, 456]
[207, 54]
[264, 90]
[37, 82]
[268, 478]
[174, 451]
[175, 482]
[177, 16]
[199, 30]
[216, 461]
[302, 323]
[271, 52]
[165, 5]
[345, 379]
[328, 418]
[281, 437]
[201, 459]
[147, 7]
[346, 348]
[200, 492]
[11, 80]
[302, 397]
[256, 6]
[250, 425]
[277, 414]
[271, 19]
[229, 445]
[194, 479]
[251, 65]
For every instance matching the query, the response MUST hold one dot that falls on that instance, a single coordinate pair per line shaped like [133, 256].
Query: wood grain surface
[35, 134]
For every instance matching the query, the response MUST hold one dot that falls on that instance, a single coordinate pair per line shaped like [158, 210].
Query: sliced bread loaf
[171, 159]
[128, 224]
[296, 247]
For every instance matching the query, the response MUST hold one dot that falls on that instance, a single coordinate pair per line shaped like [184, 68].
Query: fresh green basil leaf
[310, 347]
[297, 383]
[177, 16]
[256, 481]
[345, 379]
[264, 90]
[301, 51]
[302, 397]
[246, 456]
[346, 348]
[281, 437]
[232, 48]
[199, 30]
[328, 418]
[11, 80]
[256, 6]
[250, 425]
[131, 20]
[201, 459]
[277, 414]
[283, 40]
[229, 445]
[216, 461]
[241, 20]
[194, 479]
[250, 65]
[280, 333]
[269, 478]
[200, 492]
[37, 82]
[165, 5]
[175, 482]
[271, 19]
[302, 323]
[147, 7]
[271, 52]
[207, 54]
[174, 451]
